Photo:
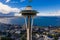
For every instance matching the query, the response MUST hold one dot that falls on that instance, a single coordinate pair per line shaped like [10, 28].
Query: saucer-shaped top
[28, 12]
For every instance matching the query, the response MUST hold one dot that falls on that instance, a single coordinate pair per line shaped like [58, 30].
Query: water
[38, 21]
[46, 21]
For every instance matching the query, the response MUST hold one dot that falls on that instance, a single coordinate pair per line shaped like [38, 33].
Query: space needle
[29, 13]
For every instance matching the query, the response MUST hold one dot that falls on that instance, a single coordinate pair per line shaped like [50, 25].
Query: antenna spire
[29, 1]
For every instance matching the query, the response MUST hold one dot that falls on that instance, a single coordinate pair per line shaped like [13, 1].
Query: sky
[44, 7]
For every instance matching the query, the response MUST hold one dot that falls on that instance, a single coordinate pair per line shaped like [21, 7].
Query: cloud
[22, 0]
[56, 13]
[14, 1]
[7, 1]
[5, 9]
[17, 14]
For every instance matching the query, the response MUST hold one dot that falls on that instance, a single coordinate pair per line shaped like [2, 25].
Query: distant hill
[9, 14]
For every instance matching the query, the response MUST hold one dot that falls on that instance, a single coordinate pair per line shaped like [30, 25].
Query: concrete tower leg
[29, 30]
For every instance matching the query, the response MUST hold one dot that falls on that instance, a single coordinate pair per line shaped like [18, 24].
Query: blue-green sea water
[38, 21]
